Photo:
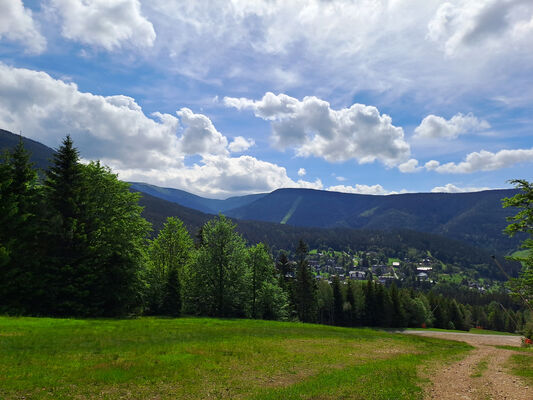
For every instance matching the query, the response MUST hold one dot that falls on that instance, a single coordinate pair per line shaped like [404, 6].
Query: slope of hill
[187, 199]
[40, 154]
[278, 236]
[477, 218]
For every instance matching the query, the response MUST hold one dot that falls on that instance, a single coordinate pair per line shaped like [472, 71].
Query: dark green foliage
[304, 287]
[170, 252]
[115, 235]
[18, 232]
[216, 282]
[338, 302]
[172, 295]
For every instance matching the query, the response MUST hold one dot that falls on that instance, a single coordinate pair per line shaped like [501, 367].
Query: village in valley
[415, 270]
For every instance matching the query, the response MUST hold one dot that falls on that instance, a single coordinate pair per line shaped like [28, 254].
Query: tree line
[74, 243]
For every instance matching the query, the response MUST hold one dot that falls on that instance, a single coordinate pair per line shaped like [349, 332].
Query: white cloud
[493, 24]
[409, 166]
[360, 189]
[345, 47]
[313, 128]
[431, 165]
[201, 136]
[115, 130]
[17, 24]
[302, 172]
[340, 178]
[451, 188]
[483, 161]
[434, 126]
[240, 144]
[104, 23]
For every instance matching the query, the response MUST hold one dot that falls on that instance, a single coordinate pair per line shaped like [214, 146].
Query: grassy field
[521, 364]
[193, 358]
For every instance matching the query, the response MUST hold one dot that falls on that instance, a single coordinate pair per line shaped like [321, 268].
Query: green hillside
[476, 218]
[196, 358]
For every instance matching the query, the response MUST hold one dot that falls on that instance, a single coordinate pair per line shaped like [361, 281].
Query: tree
[304, 287]
[338, 302]
[115, 236]
[522, 222]
[93, 238]
[216, 283]
[170, 252]
[268, 300]
[19, 224]
[64, 236]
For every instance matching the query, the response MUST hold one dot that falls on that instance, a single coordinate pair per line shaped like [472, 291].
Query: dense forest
[74, 243]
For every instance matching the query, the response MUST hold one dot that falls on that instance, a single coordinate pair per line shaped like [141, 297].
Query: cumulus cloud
[433, 126]
[483, 161]
[451, 188]
[17, 24]
[240, 144]
[302, 172]
[115, 130]
[466, 24]
[313, 128]
[104, 23]
[200, 136]
[409, 166]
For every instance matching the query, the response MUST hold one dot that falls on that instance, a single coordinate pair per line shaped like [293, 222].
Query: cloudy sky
[225, 98]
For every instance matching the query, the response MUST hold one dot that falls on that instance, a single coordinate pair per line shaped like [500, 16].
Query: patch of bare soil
[482, 374]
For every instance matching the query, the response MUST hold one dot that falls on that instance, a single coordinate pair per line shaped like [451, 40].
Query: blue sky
[225, 98]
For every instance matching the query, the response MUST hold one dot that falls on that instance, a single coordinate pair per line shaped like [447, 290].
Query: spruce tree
[304, 287]
[64, 234]
[338, 302]
[18, 232]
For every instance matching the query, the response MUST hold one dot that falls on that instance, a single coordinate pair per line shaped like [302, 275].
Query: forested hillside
[477, 218]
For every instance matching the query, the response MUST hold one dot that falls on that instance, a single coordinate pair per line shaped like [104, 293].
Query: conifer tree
[338, 302]
[19, 228]
[304, 287]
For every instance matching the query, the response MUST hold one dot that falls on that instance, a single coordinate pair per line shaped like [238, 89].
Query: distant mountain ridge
[186, 199]
[40, 154]
[476, 218]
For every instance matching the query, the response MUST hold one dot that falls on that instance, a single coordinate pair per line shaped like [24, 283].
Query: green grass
[522, 365]
[391, 260]
[480, 367]
[197, 358]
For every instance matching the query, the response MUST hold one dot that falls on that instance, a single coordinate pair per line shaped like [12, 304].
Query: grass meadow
[201, 358]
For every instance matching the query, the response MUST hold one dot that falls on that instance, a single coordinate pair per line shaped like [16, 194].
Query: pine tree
[350, 299]
[64, 234]
[338, 302]
[18, 232]
[304, 287]
[398, 311]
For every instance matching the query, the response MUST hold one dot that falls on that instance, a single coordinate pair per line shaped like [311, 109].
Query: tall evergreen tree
[19, 197]
[304, 287]
[64, 235]
[338, 302]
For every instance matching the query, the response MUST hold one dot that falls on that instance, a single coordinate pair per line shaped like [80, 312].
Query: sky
[226, 98]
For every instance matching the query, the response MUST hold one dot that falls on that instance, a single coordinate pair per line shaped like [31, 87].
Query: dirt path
[482, 374]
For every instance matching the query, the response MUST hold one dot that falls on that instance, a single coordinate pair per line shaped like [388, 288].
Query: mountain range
[475, 218]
